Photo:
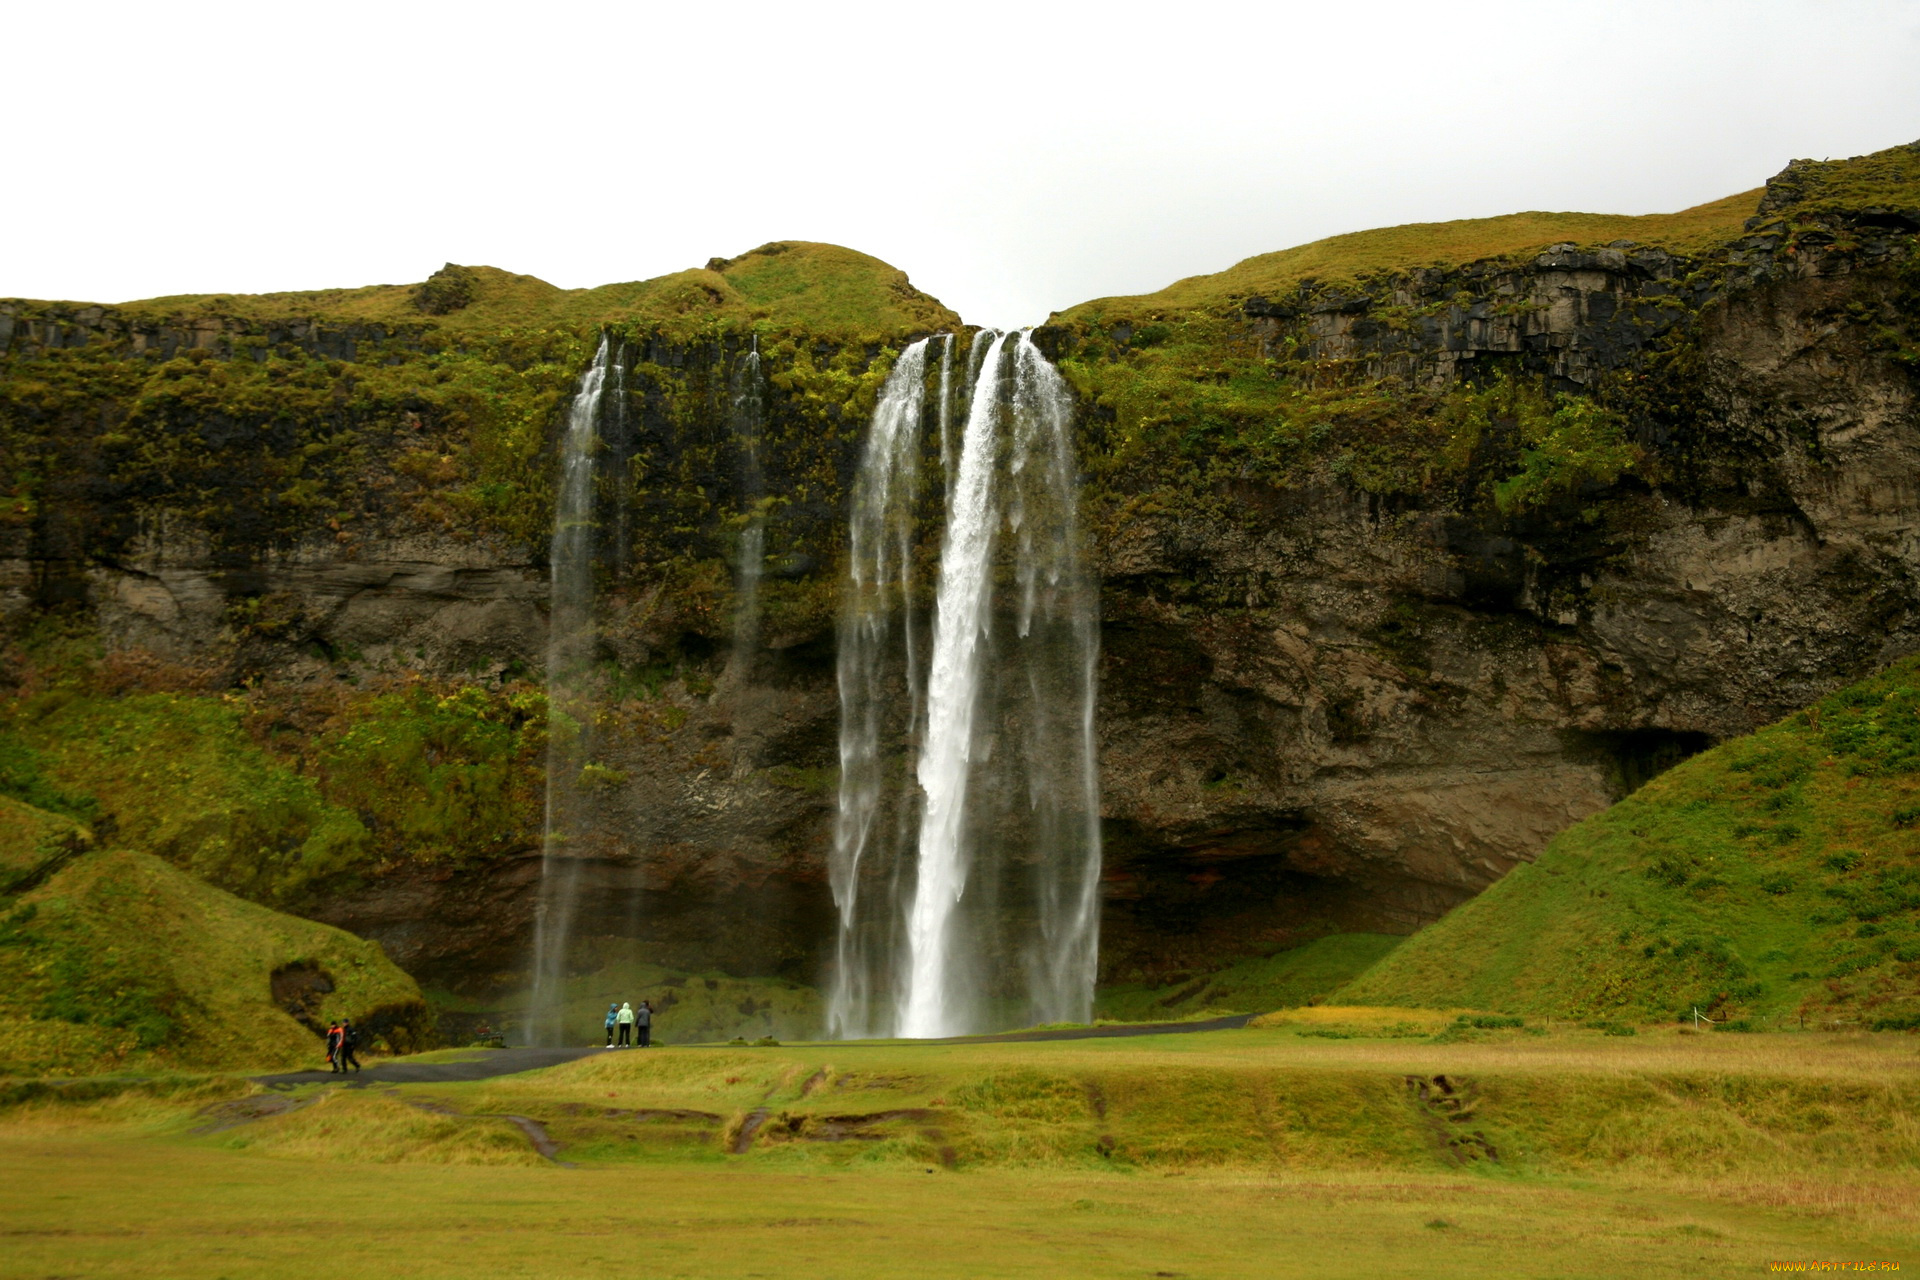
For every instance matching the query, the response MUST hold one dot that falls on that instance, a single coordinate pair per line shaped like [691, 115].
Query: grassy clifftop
[789, 284]
[1774, 877]
[1388, 250]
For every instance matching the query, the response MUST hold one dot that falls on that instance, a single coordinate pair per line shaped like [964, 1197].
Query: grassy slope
[1359, 254]
[1774, 876]
[120, 961]
[1281, 981]
[35, 843]
[822, 288]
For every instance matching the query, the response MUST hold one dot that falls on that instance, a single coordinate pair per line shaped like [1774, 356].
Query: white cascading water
[933, 1006]
[1057, 619]
[996, 898]
[569, 658]
[880, 695]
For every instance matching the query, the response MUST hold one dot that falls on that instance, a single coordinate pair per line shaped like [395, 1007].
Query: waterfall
[570, 638]
[933, 1005]
[880, 698]
[1057, 620]
[748, 420]
[997, 899]
[946, 413]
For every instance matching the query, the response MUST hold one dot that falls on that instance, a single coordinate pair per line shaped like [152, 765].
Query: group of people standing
[342, 1040]
[634, 1025]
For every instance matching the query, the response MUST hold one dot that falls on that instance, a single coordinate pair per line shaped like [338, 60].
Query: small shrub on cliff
[448, 289]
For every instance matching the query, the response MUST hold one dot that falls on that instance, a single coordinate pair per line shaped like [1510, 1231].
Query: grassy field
[1270, 1152]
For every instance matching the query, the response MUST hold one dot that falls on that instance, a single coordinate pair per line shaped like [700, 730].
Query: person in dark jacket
[349, 1041]
[333, 1047]
[613, 1020]
[643, 1023]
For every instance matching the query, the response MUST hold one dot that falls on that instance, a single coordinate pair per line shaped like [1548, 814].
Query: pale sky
[1012, 158]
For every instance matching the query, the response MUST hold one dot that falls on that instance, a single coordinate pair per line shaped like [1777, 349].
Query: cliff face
[1363, 700]
[1474, 550]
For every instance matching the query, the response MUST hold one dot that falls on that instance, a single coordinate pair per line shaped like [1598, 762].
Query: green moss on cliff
[279, 793]
[1774, 876]
[1203, 408]
[1887, 179]
[440, 775]
[1223, 378]
[178, 777]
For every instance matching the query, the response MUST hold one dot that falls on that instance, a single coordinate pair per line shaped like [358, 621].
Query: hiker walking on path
[626, 1024]
[613, 1017]
[349, 1040]
[643, 1020]
[333, 1046]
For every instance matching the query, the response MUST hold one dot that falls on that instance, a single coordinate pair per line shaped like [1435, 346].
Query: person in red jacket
[334, 1035]
[349, 1041]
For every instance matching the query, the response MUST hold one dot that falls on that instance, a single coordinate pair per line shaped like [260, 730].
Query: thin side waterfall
[1057, 620]
[946, 413]
[967, 849]
[748, 421]
[880, 701]
[570, 639]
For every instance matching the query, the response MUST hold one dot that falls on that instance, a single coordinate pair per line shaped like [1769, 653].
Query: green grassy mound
[1281, 981]
[793, 284]
[1775, 877]
[119, 961]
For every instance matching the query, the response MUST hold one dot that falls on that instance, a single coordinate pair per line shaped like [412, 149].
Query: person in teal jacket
[613, 1016]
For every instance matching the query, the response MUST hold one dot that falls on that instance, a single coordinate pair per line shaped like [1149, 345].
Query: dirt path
[493, 1062]
[506, 1062]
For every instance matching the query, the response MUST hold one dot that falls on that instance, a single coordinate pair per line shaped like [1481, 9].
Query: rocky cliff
[1410, 560]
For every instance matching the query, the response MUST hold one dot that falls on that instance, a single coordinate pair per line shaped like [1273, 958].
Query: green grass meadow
[1272, 1151]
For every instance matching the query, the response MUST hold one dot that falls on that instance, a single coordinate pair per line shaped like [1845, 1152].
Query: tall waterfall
[968, 888]
[570, 639]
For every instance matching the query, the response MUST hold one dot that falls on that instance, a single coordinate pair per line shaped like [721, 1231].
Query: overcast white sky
[1013, 158]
